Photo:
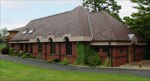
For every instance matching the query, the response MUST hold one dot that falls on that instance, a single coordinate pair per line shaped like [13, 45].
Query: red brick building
[56, 37]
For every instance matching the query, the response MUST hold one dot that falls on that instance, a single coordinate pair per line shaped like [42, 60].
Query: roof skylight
[24, 32]
[31, 31]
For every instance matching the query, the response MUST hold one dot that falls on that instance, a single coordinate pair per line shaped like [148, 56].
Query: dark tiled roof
[105, 27]
[76, 23]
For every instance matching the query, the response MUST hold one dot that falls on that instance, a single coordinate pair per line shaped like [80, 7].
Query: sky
[17, 13]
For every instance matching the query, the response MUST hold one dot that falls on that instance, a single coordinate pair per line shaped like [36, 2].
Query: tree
[139, 22]
[108, 5]
[0, 36]
[4, 33]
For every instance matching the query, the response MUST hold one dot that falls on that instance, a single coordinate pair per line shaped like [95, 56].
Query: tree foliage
[108, 5]
[140, 21]
[86, 55]
[4, 33]
[0, 35]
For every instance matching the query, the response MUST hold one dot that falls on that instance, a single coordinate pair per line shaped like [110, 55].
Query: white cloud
[127, 9]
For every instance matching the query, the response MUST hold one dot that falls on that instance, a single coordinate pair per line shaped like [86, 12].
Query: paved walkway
[135, 65]
[145, 73]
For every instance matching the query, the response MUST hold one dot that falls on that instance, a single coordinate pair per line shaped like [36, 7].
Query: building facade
[56, 37]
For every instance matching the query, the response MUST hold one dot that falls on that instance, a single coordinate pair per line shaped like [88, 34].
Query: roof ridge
[109, 23]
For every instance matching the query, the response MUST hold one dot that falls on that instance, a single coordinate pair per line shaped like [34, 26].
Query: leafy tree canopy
[4, 33]
[139, 21]
[108, 5]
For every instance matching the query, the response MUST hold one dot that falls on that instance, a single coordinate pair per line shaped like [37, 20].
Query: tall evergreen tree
[140, 21]
[108, 5]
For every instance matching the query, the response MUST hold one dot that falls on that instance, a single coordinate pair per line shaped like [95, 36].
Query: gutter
[90, 25]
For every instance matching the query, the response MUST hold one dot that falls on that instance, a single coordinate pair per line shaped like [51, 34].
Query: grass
[2, 45]
[10, 71]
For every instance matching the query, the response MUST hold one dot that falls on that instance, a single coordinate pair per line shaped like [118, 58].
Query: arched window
[68, 46]
[52, 46]
[39, 46]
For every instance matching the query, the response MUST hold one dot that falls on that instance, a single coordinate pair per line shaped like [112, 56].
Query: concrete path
[145, 73]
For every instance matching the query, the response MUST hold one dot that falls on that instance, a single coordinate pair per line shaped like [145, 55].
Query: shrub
[107, 62]
[23, 56]
[12, 54]
[39, 57]
[50, 60]
[94, 60]
[86, 55]
[5, 50]
[11, 51]
[65, 61]
[56, 60]
[80, 54]
[21, 53]
[31, 55]
[27, 55]
[34, 57]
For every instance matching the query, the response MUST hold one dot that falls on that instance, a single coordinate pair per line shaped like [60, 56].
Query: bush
[107, 62]
[34, 57]
[94, 61]
[65, 61]
[80, 60]
[86, 55]
[12, 54]
[5, 50]
[39, 57]
[92, 58]
[50, 61]
[31, 55]
[11, 51]
[21, 53]
[56, 60]
[23, 56]
[27, 55]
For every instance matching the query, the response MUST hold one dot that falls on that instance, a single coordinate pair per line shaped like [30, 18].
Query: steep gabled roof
[77, 23]
[73, 22]
[107, 28]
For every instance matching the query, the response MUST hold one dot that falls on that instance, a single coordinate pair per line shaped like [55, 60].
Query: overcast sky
[16, 14]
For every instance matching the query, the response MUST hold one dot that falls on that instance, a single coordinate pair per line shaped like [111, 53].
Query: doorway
[131, 54]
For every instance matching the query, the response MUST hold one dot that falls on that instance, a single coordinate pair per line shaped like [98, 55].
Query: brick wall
[102, 54]
[47, 53]
[120, 57]
[139, 53]
[16, 47]
[35, 49]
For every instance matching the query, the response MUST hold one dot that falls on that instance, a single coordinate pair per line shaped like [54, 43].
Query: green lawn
[2, 45]
[10, 71]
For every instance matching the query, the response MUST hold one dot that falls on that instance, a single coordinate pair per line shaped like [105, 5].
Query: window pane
[95, 48]
[52, 48]
[105, 49]
[31, 47]
[40, 47]
[68, 48]
[26, 47]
